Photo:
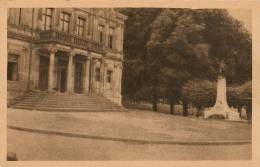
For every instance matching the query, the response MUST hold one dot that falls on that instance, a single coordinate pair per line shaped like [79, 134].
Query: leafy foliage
[137, 32]
[176, 53]
[200, 92]
[240, 94]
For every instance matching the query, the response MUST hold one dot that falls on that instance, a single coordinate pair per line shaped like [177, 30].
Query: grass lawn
[29, 146]
[134, 124]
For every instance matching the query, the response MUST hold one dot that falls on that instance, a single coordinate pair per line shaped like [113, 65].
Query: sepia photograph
[129, 84]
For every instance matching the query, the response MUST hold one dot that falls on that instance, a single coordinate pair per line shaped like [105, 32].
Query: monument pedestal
[233, 116]
[227, 113]
[221, 107]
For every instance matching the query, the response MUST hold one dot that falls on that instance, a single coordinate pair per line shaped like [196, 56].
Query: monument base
[221, 107]
[233, 116]
[226, 112]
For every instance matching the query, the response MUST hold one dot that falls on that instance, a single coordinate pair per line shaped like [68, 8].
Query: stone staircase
[45, 101]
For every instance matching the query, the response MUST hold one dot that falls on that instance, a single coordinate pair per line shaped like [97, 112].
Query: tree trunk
[154, 105]
[249, 112]
[185, 108]
[172, 108]
[239, 109]
[172, 103]
[154, 102]
[199, 109]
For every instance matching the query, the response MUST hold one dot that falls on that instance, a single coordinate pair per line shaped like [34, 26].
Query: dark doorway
[78, 77]
[44, 73]
[62, 75]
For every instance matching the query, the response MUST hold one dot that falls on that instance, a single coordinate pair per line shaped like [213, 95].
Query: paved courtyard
[132, 135]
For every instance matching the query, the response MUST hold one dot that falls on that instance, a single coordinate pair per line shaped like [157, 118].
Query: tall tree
[165, 48]
[137, 32]
[173, 52]
[229, 42]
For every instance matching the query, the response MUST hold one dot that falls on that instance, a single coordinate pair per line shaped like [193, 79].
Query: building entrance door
[78, 77]
[43, 72]
[62, 75]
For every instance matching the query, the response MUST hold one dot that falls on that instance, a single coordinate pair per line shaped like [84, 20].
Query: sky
[243, 15]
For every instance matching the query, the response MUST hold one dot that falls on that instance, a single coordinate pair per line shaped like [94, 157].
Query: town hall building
[66, 51]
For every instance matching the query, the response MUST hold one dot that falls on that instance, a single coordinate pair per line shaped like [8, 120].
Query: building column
[120, 84]
[91, 76]
[105, 77]
[93, 73]
[117, 80]
[87, 77]
[102, 76]
[70, 78]
[114, 82]
[51, 70]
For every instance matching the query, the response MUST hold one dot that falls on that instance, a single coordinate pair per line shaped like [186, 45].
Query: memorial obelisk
[221, 107]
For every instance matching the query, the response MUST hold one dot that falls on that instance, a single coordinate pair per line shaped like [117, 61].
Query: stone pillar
[51, 70]
[91, 76]
[87, 77]
[93, 73]
[102, 76]
[115, 79]
[105, 77]
[70, 79]
[120, 84]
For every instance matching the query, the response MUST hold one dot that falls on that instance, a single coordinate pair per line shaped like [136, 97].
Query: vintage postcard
[133, 83]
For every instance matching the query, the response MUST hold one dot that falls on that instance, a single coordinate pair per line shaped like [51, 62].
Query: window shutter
[104, 36]
[75, 18]
[58, 17]
[88, 26]
[114, 41]
[115, 36]
[85, 31]
[40, 14]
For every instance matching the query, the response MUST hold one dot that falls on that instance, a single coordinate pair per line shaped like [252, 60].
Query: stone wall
[20, 21]
[21, 49]
[29, 17]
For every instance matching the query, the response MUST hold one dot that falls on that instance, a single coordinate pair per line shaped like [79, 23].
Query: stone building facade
[67, 50]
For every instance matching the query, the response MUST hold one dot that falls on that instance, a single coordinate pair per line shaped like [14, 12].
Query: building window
[12, 68]
[101, 33]
[47, 18]
[110, 39]
[65, 21]
[97, 74]
[80, 26]
[20, 16]
[109, 76]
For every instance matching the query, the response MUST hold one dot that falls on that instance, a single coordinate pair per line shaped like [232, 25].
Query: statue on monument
[221, 107]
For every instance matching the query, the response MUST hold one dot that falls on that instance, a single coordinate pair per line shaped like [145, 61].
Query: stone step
[67, 103]
[74, 106]
[63, 99]
[69, 109]
[54, 108]
[64, 102]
